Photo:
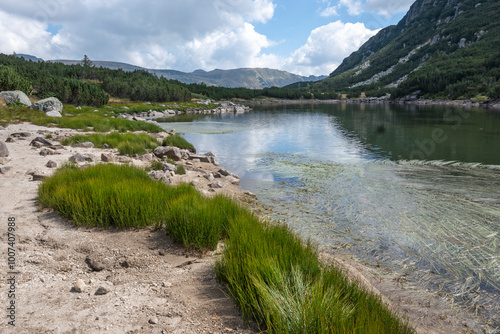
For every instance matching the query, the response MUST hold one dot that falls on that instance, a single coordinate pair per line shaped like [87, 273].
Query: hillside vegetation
[85, 84]
[441, 49]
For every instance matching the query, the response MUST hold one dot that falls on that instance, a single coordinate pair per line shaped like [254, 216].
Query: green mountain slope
[441, 48]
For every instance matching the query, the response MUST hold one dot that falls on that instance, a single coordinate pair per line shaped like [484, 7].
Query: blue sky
[300, 36]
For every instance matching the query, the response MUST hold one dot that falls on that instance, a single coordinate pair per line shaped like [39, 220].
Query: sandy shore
[153, 285]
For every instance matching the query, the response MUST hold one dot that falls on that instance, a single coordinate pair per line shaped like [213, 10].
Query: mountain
[28, 57]
[255, 78]
[441, 48]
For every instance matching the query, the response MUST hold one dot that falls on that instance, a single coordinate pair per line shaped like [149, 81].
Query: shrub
[180, 170]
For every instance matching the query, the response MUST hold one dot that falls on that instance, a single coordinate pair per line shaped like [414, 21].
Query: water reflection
[340, 175]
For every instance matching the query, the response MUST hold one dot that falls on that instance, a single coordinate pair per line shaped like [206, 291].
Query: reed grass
[126, 143]
[273, 275]
[177, 141]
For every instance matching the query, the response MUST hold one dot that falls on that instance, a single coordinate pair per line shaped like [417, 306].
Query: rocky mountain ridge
[442, 48]
[255, 78]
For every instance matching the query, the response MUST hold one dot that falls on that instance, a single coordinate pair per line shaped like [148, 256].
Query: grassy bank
[126, 143]
[86, 119]
[273, 275]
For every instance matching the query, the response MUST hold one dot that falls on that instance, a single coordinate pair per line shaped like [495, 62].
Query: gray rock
[9, 140]
[51, 164]
[47, 151]
[195, 182]
[4, 160]
[168, 151]
[101, 291]
[209, 176]
[169, 167]
[4, 151]
[5, 169]
[105, 145]
[53, 114]
[15, 96]
[123, 159]
[79, 286]
[153, 320]
[208, 157]
[81, 157]
[107, 157]
[20, 134]
[94, 263]
[39, 176]
[233, 180]
[50, 105]
[86, 144]
[217, 185]
[40, 141]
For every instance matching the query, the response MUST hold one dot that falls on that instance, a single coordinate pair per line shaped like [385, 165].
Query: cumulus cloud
[386, 8]
[180, 34]
[327, 46]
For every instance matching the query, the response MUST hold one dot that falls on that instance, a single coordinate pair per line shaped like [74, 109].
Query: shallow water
[413, 189]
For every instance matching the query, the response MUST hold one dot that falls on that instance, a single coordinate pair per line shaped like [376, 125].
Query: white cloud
[386, 8]
[179, 34]
[327, 46]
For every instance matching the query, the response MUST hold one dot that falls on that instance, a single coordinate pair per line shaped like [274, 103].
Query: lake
[414, 189]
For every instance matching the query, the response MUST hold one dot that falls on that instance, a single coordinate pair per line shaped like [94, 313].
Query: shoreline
[54, 253]
[489, 104]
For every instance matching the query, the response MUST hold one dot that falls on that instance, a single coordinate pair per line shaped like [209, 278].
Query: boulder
[168, 151]
[4, 151]
[50, 106]
[15, 96]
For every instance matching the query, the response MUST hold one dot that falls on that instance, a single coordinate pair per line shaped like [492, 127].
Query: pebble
[79, 286]
[153, 320]
[101, 291]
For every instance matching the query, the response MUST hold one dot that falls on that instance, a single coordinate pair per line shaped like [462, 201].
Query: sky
[306, 37]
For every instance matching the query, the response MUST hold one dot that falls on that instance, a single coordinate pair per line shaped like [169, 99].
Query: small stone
[216, 185]
[46, 151]
[40, 141]
[39, 177]
[79, 286]
[5, 169]
[4, 160]
[233, 180]
[81, 157]
[153, 320]
[4, 151]
[105, 145]
[107, 157]
[101, 291]
[161, 252]
[10, 140]
[195, 182]
[94, 264]
[51, 164]
[210, 177]
[125, 264]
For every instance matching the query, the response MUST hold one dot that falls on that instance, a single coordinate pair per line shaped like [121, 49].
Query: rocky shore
[489, 104]
[83, 280]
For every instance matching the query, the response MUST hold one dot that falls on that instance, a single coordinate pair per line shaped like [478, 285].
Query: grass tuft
[178, 141]
[126, 143]
[273, 275]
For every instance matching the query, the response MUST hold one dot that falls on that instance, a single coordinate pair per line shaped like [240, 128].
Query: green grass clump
[273, 275]
[126, 143]
[81, 119]
[177, 141]
[156, 165]
[278, 281]
[180, 170]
